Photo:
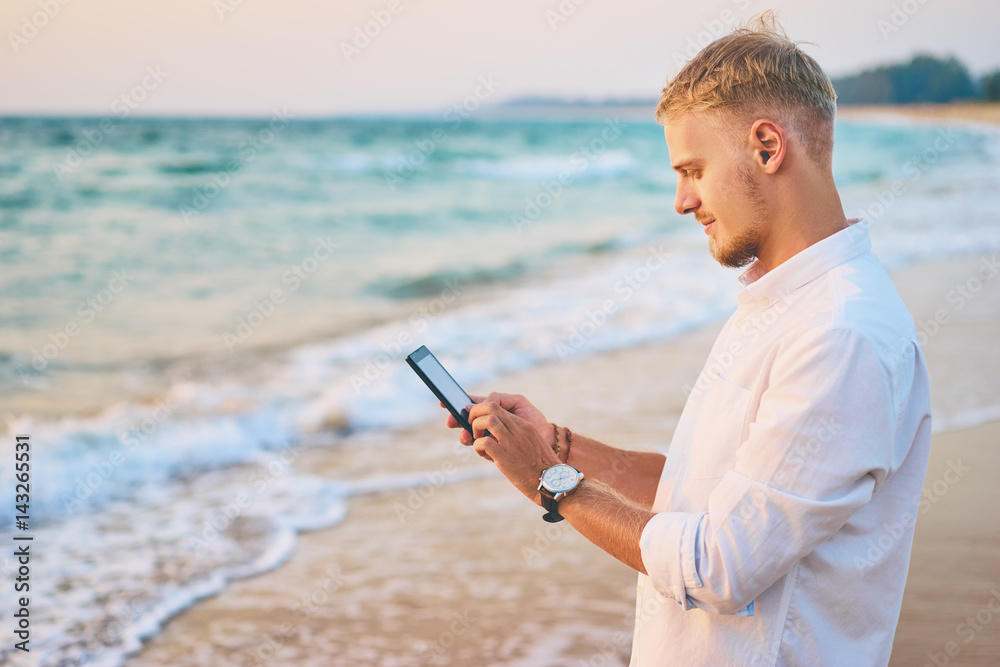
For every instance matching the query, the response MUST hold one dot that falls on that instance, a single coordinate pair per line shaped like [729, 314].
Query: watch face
[560, 478]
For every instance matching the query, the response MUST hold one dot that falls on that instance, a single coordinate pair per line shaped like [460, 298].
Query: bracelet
[569, 441]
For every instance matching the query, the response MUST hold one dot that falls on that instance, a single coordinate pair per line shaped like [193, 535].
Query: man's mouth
[708, 225]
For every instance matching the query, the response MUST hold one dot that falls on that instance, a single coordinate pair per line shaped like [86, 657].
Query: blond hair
[756, 71]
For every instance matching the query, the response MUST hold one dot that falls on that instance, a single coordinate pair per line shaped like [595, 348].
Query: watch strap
[552, 506]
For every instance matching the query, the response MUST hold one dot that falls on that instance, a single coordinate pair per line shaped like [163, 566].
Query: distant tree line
[923, 79]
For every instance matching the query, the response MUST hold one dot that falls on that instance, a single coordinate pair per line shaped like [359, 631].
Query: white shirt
[787, 503]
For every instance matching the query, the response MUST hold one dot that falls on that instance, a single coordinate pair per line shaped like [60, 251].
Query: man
[778, 528]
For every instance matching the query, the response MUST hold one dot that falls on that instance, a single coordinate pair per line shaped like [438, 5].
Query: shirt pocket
[719, 430]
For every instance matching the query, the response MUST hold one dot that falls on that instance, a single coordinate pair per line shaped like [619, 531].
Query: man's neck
[800, 224]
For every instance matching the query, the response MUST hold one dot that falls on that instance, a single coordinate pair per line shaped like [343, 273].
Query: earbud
[765, 155]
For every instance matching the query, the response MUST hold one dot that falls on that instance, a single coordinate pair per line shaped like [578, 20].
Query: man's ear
[767, 141]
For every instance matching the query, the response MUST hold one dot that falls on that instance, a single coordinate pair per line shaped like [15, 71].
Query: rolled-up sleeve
[668, 546]
[817, 447]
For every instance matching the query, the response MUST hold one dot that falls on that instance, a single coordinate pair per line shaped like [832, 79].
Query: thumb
[508, 402]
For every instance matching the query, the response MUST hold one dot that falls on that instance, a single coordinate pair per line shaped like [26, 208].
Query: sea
[184, 297]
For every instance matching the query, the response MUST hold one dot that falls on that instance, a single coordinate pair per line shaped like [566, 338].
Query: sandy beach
[466, 573]
[976, 112]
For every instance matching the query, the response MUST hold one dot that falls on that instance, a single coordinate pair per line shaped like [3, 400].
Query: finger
[481, 444]
[509, 402]
[484, 408]
[450, 419]
[489, 408]
[491, 422]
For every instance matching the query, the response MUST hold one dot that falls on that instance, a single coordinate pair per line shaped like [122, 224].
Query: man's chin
[728, 260]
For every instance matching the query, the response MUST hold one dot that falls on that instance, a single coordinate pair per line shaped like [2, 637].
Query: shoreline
[976, 113]
[474, 550]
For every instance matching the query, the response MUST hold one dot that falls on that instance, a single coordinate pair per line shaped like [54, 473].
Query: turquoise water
[206, 218]
[191, 294]
[285, 267]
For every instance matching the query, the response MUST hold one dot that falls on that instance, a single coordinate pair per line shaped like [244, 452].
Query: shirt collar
[766, 288]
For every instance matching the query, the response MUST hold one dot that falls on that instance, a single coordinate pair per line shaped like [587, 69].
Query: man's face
[716, 184]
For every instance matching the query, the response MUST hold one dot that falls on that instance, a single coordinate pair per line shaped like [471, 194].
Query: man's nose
[686, 201]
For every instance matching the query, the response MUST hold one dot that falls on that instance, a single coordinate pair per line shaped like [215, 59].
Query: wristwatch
[554, 484]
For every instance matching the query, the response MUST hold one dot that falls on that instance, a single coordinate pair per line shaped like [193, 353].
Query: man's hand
[520, 444]
[520, 440]
[513, 444]
[514, 403]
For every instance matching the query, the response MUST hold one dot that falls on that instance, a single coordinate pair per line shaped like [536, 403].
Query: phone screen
[440, 381]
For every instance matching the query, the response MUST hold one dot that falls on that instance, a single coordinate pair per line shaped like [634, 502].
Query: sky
[334, 57]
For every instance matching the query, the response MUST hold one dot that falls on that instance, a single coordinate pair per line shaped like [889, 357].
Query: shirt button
[764, 301]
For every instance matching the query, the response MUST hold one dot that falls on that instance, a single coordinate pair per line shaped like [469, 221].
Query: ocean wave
[437, 282]
[356, 163]
[174, 545]
[192, 167]
[965, 419]
[578, 167]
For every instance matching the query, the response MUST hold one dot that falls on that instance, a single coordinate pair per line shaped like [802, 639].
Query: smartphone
[442, 384]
